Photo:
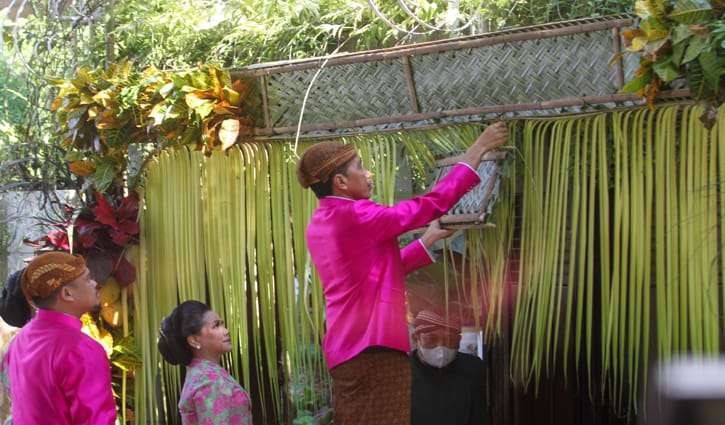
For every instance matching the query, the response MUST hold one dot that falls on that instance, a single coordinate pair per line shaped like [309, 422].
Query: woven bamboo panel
[341, 93]
[523, 72]
[552, 69]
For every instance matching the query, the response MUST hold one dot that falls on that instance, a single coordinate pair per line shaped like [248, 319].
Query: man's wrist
[427, 240]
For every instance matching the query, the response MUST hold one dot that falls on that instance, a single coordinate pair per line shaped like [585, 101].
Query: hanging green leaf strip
[646, 185]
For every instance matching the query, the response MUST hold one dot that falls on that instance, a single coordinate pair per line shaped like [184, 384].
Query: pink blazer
[354, 246]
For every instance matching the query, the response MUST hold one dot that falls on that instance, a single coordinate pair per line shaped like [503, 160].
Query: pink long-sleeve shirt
[354, 246]
[58, 375]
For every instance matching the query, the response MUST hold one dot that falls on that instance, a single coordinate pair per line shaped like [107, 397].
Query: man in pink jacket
[57, 374]
[353, 243]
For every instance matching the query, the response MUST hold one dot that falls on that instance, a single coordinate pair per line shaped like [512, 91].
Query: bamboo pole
[410, 84]
[496, 109]
[265, 101]
[617, 46]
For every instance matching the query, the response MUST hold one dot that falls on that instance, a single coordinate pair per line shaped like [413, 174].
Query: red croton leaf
[125, 272]
[104, 212]
[128, 211]
[130, 227]
[87, 232]
[59, 239]
[119, 238]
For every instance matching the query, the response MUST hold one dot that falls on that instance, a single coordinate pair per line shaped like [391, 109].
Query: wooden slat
[410, 84]
[265, 101]
[619, 60]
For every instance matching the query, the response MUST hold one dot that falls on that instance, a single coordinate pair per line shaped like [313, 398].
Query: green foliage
[102, 112]
[54, 38]
[681, 39]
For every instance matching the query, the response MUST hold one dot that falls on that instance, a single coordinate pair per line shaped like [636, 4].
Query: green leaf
[73, 156]
[636, 84]
[653, 29]
[697, 45]
[681, 33]
[696, 81]
[666, 71]
[191, 135]
[678, 53]
[713, 67]
[691, 11]
[104, 175]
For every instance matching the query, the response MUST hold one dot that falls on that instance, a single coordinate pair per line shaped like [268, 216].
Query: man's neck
[66, 311]
[341, 194]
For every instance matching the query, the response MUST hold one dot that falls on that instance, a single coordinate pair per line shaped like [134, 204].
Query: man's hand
[492, 137]
[434, 233]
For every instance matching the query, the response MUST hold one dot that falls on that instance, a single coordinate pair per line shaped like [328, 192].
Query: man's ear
[66, 294]
[339, 181]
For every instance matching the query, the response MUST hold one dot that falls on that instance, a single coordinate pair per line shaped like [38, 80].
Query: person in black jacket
[14, 308]
[447, 387]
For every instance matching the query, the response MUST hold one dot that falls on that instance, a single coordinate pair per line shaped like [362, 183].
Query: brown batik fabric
[372, 388]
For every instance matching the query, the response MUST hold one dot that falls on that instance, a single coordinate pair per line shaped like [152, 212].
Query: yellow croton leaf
[641, 9]
[102, 336]
[82, 168]
[56, 103]
[112, 313]
[232, 96]
[638, 44]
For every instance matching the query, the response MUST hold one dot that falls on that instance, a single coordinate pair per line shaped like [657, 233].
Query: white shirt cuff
[469, 167]
[430, 255]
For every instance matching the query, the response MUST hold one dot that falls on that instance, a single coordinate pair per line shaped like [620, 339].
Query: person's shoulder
[84, 344]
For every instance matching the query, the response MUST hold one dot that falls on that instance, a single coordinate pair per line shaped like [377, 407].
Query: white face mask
[438, 356]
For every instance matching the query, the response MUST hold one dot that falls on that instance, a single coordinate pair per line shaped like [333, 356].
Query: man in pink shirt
[353, 243]
[58, 375]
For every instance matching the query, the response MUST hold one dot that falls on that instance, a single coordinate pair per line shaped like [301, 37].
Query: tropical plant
[100, 232]
[680, 40]
[104, 111]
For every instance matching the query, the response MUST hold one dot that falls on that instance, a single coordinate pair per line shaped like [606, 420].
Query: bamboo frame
[421, 114]
[496, 109]
[488, 156]
[410, 84]
[473, 220]
[265, 101]
[617, 46]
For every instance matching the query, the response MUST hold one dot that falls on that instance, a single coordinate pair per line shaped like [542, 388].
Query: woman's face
[214, 336]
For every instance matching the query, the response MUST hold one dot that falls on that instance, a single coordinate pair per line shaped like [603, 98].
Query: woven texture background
[472, 202]
[524, 72]
[341, 93]
[518, 72]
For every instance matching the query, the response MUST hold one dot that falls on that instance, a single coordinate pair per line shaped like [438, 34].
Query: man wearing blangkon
[353, 243]
[57, 374]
